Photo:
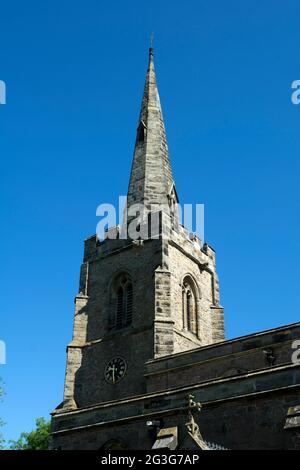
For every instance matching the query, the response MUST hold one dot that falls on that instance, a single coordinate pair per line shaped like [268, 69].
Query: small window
[141, 131]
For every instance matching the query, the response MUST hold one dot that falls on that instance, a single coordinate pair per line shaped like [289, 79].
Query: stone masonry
[171, 342]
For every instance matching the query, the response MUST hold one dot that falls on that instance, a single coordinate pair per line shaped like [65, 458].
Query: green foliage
[38, 439]
[2, 441]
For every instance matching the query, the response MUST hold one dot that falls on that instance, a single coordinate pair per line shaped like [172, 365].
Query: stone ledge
[128, 331]
[141, 415]
[178, 390]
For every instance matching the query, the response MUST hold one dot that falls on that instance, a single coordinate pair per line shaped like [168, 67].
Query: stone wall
[247, 388]
[180, 266]
[237, 357]
[94, 342]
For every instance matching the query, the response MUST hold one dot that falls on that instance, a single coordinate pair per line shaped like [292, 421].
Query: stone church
[148, 365]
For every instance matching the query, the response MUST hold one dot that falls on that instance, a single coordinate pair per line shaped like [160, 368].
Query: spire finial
[151, 44]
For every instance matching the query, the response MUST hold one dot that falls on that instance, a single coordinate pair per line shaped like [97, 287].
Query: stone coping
[162, 394]
[227, 347]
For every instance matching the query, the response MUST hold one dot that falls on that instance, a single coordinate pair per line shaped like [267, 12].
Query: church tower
[148, 367]
[146, 298]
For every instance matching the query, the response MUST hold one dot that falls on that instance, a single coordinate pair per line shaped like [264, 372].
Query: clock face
[115, 370]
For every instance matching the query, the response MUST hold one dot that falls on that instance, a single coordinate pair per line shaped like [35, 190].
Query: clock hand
[113, 369]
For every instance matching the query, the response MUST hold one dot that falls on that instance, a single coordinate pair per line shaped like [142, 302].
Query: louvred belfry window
[119, 313]
[129, 295]
[124, 302]
[189, 307]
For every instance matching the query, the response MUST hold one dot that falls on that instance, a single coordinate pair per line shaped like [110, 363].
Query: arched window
[189, 306]
[114, 444]
[123, 295]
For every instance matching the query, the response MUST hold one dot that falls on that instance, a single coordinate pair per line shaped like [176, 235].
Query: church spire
[151, 180]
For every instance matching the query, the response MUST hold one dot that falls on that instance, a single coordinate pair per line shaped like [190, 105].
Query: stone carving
[191, 424]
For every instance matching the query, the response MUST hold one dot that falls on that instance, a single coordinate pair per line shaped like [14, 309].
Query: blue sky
[74, 73]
